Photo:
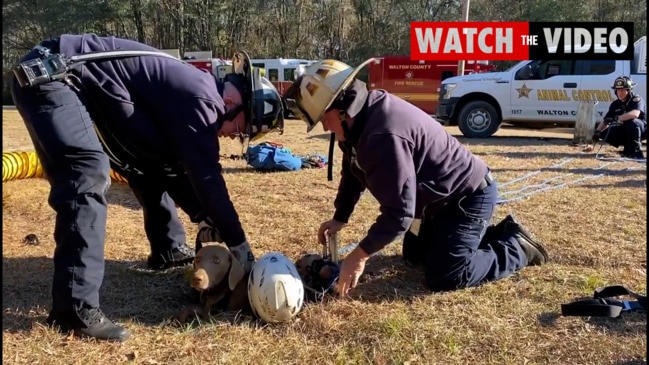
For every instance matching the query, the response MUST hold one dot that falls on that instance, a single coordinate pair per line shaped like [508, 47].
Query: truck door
[596, 82]
[541, 90]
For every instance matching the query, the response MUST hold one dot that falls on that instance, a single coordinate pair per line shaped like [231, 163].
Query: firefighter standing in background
[625, 123]
[415, 170]
[157, 120]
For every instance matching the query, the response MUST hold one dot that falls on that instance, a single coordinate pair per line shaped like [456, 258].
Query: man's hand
[351, 270]
[605, 123]
[328, 228]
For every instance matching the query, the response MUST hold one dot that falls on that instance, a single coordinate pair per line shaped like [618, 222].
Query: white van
[535, 93]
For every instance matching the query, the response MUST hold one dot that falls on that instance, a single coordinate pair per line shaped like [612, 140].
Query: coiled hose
[24, 165]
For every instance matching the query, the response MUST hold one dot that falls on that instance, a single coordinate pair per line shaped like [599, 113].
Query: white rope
[558, 164]
[520, 197]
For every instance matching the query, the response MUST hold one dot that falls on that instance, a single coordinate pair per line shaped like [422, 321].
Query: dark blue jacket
[405, 159]
[164, 112]
[633, 102]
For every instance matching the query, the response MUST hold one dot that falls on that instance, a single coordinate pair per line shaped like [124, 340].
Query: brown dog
[221, 281]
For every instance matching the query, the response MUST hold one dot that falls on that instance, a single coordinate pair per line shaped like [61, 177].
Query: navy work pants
[452, 244]
[158, 195]
[78, 172]
[77, 169]
[629, 134]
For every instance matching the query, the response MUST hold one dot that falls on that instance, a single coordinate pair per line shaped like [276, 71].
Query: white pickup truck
[536, 94]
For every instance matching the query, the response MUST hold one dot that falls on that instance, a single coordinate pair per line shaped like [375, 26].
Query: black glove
[610, 120]
[597, 136]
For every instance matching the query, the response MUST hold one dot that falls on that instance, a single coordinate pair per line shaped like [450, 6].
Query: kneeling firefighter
[418, 173]
[625, 123]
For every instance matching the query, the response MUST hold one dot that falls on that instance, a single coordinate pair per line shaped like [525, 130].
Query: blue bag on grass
[272, 157]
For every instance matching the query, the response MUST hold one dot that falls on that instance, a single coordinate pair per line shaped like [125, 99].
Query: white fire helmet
[275, 289]
[318, 87]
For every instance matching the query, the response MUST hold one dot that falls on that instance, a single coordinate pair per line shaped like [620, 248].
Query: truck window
[603, 67]
[541, 70]
[273, 74]
[289, 74]
[260, 65]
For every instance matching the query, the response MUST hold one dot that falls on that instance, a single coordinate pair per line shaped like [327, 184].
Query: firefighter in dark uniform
[625, 123]
[156, 121]
[431, 189]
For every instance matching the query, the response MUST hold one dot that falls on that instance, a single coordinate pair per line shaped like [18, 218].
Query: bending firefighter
[625, 123]
[156, 122]
[420, 176]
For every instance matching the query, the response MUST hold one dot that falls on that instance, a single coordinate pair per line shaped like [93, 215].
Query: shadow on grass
[554, 175]
[238, 169]
[493, 140]
[632, 362]
[620, 184]
[576, 171]
[514, 141]
[323, 136]
[388, 278]
[130, 292]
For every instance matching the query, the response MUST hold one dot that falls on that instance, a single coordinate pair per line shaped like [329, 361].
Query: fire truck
[282, 71]
[417, 82]
[204, 60]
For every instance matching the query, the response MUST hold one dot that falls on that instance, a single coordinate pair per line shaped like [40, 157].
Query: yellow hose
[23, 165]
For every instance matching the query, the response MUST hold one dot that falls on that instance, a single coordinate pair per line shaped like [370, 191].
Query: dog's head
[213, 262]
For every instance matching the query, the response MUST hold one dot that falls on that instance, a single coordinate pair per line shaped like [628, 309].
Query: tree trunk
[585, 124]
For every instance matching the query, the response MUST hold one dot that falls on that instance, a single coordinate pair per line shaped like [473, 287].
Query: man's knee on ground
[438, 281]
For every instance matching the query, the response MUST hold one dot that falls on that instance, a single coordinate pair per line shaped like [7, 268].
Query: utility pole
[465, 18]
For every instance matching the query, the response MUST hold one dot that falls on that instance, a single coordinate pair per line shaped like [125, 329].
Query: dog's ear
[237, 272]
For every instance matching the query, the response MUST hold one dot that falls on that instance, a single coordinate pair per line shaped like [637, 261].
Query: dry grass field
[591, 215]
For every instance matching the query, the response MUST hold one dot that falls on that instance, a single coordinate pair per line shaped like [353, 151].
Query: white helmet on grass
[275, 289]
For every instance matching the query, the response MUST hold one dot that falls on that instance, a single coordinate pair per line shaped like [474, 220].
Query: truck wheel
[478, 119]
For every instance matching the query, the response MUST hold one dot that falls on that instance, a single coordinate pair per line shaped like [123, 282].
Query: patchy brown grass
[595, 231]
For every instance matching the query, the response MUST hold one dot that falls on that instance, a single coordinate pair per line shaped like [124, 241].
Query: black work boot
[178, 256]
[635, 154]
[536, 254]
[88, 322]
[496, 231]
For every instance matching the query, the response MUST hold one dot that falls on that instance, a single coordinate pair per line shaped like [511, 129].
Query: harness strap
[102, 55]
[107, 137]
[603, 306]
[330, 167]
